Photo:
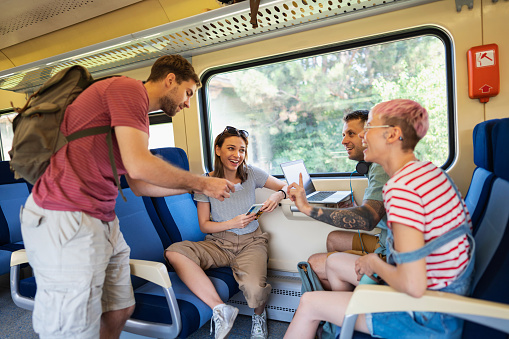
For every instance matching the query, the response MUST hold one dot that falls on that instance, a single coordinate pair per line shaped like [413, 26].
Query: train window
[161, 130]
[161, 135]
[293, 106]
[6, 134]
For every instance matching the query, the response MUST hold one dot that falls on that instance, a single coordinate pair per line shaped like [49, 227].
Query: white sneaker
[223, 317]
[259, 327]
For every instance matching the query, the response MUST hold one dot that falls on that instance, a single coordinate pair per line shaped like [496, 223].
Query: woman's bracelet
[283, 193]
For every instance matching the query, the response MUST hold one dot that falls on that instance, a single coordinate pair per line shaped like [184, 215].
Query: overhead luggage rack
[218, 29]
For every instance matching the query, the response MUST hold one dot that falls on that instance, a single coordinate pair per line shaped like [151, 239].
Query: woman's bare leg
[317, 306]
[195, 278]
[340, 270]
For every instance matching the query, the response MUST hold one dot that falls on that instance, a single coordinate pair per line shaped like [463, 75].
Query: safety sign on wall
[485, 58]
[483, 72]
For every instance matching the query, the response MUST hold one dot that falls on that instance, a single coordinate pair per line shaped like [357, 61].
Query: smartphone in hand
[255, 208]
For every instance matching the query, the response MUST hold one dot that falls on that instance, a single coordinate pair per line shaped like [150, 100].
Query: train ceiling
[213, 30]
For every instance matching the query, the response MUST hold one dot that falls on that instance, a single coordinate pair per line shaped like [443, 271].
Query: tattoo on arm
[364, 217]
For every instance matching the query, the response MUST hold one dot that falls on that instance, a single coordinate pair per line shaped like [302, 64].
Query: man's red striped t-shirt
[80, 177]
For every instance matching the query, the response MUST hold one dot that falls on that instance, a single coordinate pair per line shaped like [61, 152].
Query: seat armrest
[19, 257]
[487, 313]
[389, 300]
[156, 273]
[152, 271]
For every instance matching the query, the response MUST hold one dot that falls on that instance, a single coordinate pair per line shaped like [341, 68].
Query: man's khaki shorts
[81, 265]
[369, 244]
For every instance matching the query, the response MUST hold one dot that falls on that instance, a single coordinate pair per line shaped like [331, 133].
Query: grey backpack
[37, 134]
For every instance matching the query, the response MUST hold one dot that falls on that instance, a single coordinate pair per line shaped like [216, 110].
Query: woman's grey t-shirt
[238, 202]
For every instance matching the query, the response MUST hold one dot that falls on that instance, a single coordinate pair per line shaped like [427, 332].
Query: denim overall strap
[395, 257]
[402, 258]
[457, 193]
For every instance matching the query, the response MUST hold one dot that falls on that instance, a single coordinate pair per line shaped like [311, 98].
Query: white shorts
[81, 265]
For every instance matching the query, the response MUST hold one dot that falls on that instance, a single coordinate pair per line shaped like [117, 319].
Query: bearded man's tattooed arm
[364, 217]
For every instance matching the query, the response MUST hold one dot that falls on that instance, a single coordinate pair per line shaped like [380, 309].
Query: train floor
[16, 323]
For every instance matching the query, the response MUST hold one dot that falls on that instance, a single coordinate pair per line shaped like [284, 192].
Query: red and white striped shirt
[79, 176]
[420, 196]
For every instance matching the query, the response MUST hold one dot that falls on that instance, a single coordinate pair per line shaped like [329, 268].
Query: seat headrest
[176, 156]
[500, 139]
[483, 151]
[6, 175]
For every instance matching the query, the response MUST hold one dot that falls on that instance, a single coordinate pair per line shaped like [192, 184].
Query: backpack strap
[100, 130]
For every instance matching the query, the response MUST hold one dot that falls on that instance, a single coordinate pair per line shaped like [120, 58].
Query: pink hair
[405, 110]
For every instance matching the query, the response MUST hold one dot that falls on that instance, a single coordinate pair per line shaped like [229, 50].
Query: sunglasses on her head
[233, 130]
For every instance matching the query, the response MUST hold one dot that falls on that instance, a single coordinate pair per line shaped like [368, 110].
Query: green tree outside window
[294, 109]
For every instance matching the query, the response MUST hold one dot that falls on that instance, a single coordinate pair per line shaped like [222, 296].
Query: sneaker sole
[228, 329]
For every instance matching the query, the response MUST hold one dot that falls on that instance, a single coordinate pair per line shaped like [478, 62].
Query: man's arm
[143, 188]
[143, 166]
[364, 217]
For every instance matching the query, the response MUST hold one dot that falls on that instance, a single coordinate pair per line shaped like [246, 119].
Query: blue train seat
[486, 312]
[13, 194]
[178, 210]
[492, 260]
[180, 219]
[483, 176]
[165, 307]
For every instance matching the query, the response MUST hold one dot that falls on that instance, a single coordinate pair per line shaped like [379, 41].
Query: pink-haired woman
[429, 241]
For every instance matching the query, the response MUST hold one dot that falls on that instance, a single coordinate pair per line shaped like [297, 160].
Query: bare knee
[128, 312]
[317, 261]
[332, 239]
[339, 241]
[174, 258]
[340, 271]
[169, 255]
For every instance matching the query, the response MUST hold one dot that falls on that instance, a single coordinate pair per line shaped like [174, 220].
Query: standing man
[366, 217]
[70, 231]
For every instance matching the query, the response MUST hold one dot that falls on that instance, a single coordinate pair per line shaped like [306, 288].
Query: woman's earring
[401, 138]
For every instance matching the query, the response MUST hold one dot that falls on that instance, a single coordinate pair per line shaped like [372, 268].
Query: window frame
[159, 117]
[155, 118]
[207, 140]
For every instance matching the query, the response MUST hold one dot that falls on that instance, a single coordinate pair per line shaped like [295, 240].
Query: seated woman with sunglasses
[424, 212]
[234, 239]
